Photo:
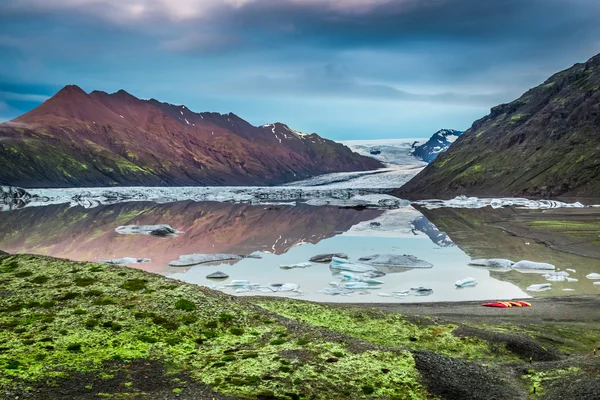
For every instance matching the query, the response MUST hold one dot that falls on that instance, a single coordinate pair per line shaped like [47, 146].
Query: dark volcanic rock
[76, 139]
[454, 379]
[324, 258]
[217, 275]
[543, 144]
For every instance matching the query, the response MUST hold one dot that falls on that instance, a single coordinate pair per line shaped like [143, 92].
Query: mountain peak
[70, 90]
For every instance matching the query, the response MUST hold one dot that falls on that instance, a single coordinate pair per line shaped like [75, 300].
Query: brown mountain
[101, 139]
[546, 143]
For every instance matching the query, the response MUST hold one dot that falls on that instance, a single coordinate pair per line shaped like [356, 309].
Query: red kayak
[507, 304]
[497, 304]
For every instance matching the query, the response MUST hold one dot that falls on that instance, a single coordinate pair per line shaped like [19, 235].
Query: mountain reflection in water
[209, 227]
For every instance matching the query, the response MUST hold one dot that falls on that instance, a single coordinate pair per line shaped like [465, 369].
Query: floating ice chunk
[596, 283]
[593, 276]
[571, 270]
[337, 291]
[334, 284]
[155, 230]
[539, 287]
[299, 265]
[351, 267]
[492, 263]
[394, 261]
[568, 290]
[195, 259]
[384, 295]
[126, 260]
[372, 281]
[525, 264]
[350, 276]
[571, 280]
[238, 282]
[466, 282]
[373, 274]
[339, 260]
[359, 285]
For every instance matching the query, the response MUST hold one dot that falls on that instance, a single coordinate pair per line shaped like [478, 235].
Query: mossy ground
[82, 330]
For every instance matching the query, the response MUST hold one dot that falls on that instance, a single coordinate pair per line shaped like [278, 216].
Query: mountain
[438, 143]
[546, 143]
[100, 139]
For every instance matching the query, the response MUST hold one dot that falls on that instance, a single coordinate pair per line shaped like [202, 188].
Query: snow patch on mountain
[438, 143]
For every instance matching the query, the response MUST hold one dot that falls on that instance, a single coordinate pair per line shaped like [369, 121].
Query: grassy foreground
[75, 330]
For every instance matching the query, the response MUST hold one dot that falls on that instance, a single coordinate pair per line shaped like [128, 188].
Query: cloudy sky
[348, 69]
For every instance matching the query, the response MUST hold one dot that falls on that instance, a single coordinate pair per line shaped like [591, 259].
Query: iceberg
[217, 275]
[492, 263]
[593, 276]
[525, 264]
[466, 282]
[195, 259]
[392, 261]
[126, 260]
[351, 267]
[539, 287]
[155, 230]
[299, 265]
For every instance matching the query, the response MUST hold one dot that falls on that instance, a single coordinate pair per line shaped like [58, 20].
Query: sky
[346, 69]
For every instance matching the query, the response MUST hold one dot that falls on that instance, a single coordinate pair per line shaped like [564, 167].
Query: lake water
[292, 232]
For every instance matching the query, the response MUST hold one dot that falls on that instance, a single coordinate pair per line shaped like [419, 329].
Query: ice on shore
[476, 202]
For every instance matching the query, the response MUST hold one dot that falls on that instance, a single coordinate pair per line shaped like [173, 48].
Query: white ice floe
[539, 287]
[298, 265]
[492, 263]
[466, 282]
[525, 264]
[126, 260]
[196, 259]
[593, 276]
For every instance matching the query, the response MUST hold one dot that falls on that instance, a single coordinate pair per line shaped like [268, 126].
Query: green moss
[185, 305]
[386, 329]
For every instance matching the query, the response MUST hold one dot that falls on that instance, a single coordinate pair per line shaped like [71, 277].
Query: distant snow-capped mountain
[438, 143]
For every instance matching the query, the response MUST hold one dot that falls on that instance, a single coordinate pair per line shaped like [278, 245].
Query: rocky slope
[546, 143]
[101, 139]
[438, 143]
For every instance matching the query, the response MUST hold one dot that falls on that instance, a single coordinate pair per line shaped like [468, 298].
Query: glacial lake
[292, 232]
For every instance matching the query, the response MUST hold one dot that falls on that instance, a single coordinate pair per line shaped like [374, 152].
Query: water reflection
[209, 227]
[567, 238]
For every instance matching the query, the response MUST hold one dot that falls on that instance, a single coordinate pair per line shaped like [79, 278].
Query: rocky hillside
[438, 143]
[546, 143]
[100, 139]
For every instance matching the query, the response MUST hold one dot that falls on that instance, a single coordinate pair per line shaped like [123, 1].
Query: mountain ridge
[102, 139]
[546, 143]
